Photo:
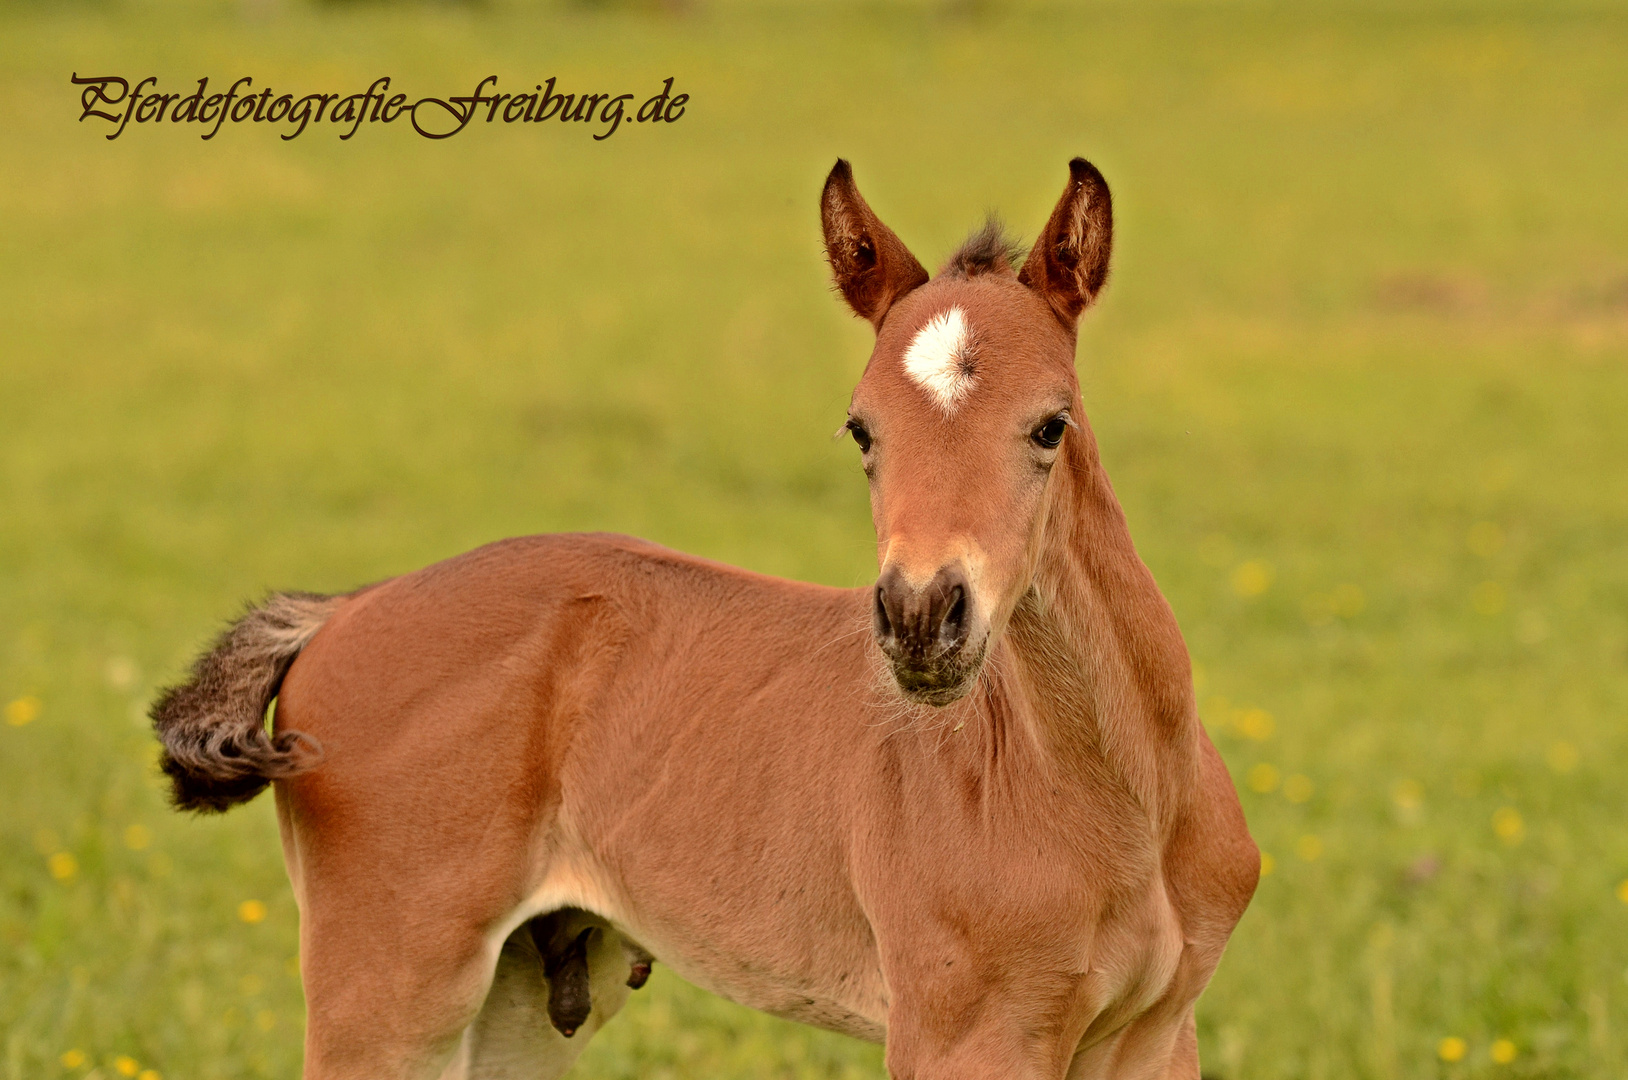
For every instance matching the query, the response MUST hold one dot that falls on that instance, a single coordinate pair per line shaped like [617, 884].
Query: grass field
[1359, 377]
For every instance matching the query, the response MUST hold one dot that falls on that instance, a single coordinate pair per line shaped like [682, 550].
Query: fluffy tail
[217, 752]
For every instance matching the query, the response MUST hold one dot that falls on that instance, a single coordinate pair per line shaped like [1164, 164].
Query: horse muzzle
[927, 633]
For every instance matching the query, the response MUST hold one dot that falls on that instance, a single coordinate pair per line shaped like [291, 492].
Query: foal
[969, 811]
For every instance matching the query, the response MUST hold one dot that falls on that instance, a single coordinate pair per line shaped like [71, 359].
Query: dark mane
[987, 251]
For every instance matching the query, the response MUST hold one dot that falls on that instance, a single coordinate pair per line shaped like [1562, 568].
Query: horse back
[471, 712]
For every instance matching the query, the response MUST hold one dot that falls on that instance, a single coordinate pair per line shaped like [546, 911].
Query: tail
[217, 752]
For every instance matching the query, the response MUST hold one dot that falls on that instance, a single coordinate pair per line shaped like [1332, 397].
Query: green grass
[1366, 344]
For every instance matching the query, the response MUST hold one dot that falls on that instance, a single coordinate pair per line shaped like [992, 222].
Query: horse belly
[759, 948]
[845, 996]
[861, 1013]
[784, 959]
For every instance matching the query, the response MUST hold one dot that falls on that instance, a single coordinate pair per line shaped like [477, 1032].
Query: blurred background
[1360, 378]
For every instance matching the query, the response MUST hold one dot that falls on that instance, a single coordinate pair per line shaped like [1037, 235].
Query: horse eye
[1051, 432]
[861, 436]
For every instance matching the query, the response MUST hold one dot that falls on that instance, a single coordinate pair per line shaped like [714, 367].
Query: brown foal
[969, 811]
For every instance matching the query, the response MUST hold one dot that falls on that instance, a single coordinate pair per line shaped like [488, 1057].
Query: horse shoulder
[1211, 862]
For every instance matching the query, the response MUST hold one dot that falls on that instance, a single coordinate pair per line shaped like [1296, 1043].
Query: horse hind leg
[559, 979]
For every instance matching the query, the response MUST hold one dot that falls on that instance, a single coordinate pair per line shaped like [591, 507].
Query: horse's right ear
[871, 266]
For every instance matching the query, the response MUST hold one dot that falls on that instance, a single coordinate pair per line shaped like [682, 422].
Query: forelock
[987, 251]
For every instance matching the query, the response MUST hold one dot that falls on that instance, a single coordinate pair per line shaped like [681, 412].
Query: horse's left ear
[1069, 261]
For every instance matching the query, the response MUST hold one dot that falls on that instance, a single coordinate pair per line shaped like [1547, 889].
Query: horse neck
[1101, 658]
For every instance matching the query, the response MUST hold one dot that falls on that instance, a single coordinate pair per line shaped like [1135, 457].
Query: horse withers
[969, 811]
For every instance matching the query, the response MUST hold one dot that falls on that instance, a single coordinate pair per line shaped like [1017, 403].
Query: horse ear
[1069, 261]
[871, 265]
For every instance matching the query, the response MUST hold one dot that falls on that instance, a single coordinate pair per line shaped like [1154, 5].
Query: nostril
[954, 626]
[879, 620]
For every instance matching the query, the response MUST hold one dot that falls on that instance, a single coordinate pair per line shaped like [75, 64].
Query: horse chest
[1057, 934]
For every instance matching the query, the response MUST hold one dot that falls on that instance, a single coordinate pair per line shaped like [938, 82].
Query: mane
[987, 251]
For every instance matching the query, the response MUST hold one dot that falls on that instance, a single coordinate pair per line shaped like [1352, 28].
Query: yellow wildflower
[23, 710]
[1562, 757]
[1507, 823]
[1257, 724]
[1252, 578]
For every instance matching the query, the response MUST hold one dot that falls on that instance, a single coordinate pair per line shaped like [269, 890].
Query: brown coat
[970, 811]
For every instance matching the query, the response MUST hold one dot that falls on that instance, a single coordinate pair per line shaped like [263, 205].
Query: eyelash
[1042, 434]
[861, 436]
